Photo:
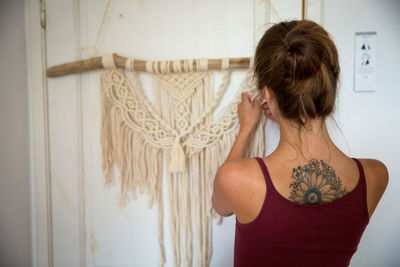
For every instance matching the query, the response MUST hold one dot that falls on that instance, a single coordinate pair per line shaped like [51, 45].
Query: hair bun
[299, 62]
[303, 53]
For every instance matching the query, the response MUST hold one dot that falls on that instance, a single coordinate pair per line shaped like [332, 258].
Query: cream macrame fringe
[135, 134]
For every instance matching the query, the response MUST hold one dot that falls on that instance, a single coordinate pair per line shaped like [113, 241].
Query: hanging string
[276, 12]
[94, 48]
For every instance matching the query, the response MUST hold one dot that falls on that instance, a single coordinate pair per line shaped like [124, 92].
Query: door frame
[41, 217]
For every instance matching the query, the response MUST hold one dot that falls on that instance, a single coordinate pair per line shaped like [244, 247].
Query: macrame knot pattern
[180, 124]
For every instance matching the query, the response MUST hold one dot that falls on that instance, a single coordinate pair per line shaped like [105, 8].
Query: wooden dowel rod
[140, 65]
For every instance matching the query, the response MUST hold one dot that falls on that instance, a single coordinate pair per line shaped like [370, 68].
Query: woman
[307, 203]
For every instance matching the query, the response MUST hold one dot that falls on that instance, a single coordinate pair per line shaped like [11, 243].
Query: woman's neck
[311, 141]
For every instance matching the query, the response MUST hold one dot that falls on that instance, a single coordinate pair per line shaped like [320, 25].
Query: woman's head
[297, 62]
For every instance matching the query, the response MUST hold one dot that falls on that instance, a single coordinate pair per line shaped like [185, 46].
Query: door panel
[89, 227]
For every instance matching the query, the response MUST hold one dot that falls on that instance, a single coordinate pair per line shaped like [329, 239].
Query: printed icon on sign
[365, 59]
[365, 46]
[366, 53]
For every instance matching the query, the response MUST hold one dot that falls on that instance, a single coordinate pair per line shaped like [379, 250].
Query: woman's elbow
[220, 196]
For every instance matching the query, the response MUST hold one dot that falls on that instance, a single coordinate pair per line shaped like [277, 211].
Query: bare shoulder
[232, 183]
[234, 174]
[237, 167]
[376, 172]
[377, 178]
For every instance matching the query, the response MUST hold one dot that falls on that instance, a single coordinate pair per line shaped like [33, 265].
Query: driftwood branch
[139, 65]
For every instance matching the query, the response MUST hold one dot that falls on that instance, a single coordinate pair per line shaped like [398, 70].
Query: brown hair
[299, 62]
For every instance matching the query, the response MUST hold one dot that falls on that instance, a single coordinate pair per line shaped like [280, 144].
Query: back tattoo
[315, 183]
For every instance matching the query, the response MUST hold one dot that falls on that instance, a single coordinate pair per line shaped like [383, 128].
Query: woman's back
[286, 233]
[273, 229]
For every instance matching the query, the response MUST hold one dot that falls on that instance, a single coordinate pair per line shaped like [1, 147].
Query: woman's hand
[249, 114]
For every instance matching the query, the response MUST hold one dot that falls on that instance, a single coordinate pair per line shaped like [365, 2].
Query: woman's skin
[239, 185]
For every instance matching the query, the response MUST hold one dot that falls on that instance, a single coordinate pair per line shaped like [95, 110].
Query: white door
[88, 226]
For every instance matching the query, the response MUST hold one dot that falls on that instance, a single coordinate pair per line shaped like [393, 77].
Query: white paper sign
[365, 62]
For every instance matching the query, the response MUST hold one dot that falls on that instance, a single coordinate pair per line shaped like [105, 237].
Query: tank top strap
[265, 172]
[362, 179]
[362, 174]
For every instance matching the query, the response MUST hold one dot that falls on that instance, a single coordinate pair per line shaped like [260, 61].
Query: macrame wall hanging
[179, 130]
[136, 135]
[181, 127]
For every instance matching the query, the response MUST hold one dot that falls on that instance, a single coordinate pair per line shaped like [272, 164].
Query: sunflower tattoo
[315, 183]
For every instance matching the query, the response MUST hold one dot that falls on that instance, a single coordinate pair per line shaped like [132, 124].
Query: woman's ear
[267, 94]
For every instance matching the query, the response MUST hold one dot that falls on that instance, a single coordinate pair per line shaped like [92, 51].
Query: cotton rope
[251, 63]
[130, 64]
[176, 66]
[108, 62]
[136, 134]
[225, 63]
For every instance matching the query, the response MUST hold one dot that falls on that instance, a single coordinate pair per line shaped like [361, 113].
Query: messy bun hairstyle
[298, 61]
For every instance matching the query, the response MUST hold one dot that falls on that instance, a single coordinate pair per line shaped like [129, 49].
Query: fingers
[255, 103]
[246, 96]
[254, 97]
[250, 98]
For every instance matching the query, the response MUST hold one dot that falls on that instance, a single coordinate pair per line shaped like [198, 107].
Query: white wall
[370, 121]
[15, 240]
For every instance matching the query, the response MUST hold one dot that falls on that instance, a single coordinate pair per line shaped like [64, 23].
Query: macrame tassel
[187, 103]
[177, 158]
[106, 138]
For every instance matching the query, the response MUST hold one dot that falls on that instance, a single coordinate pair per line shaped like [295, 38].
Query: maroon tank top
[286, 233]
